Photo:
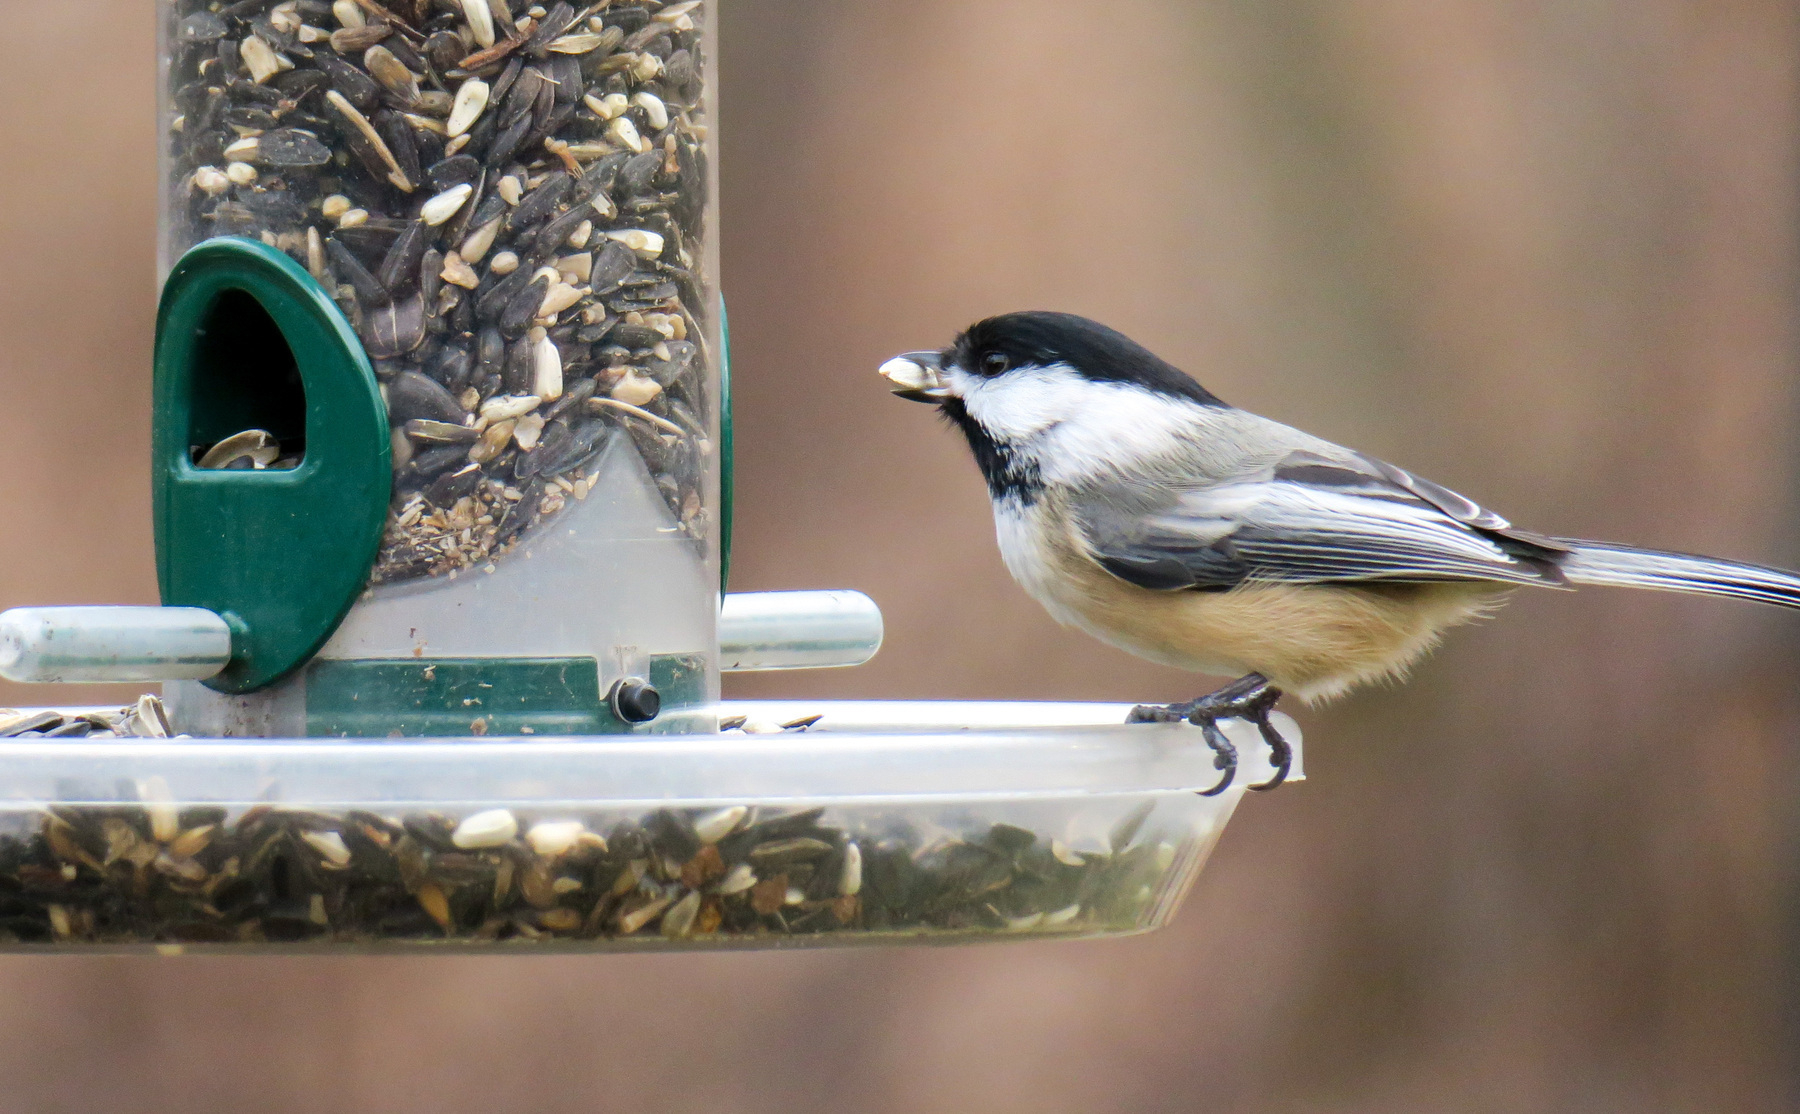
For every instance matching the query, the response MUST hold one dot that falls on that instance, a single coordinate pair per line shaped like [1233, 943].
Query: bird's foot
[1248, 698]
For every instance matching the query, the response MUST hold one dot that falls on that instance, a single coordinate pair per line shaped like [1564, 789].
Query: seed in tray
[493, 828]
[551, 838]
[713, 826]
[151, 873]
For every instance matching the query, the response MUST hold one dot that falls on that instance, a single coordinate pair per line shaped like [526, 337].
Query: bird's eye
[995, 363]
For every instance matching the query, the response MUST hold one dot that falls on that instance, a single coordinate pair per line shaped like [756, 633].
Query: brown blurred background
[1544, 253]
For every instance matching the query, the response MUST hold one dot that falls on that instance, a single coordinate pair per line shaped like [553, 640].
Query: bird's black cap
[1040, 338]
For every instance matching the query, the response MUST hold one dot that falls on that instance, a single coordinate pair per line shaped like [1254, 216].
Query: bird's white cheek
[1011, 408]
[1073, 428]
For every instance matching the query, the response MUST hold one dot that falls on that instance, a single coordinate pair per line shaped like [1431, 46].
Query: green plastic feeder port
[246, 340]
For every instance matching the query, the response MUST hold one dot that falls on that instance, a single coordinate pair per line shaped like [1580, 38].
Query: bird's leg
[1251, 698]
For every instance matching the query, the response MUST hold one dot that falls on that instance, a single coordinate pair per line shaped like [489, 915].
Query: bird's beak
[917, 376]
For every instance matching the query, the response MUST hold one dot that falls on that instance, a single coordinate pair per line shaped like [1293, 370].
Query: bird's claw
[1224, 754]
[1249, 698]
[1281, 753]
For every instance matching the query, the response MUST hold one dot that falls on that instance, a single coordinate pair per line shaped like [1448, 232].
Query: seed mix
[153, 872]
[508, 201]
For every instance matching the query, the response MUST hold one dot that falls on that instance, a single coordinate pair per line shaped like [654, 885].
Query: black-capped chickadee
[1138, 507]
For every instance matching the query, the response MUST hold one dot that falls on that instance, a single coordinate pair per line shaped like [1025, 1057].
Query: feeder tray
[876, 823]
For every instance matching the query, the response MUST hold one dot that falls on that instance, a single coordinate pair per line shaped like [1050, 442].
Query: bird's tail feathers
[1626, 567]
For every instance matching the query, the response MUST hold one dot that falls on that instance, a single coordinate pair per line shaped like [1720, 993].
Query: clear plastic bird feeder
[464, 253]
[440, 472]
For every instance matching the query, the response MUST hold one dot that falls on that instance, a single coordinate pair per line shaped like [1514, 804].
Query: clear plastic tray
[876, 823]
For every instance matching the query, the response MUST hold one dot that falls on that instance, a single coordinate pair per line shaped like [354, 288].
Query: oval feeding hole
[249, 404]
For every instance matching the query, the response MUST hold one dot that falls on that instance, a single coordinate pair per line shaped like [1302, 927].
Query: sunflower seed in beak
[916, 376]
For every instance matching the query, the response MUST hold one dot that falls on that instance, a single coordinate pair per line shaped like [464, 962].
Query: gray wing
[1308, 519]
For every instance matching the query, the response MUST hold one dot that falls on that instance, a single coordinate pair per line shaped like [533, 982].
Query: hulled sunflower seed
[547, 382]
[471, 101]
[505, 407]
[656, 114]
[623, 132]
[444, 206]
[260, 58]
[493, 828]
[211, 180]
[330, 846]
[458, 273]
[646, 243]
[481, 21]
[528, 431]
[553, 838]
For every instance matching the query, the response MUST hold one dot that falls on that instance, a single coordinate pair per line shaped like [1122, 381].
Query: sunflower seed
[547, 382]
[503, 407]
[260, 58]
[330, 845]
[211, 180]
[412, 396]
[646, 243]
[256, 447]
[481, 21]
[679, 920]
[371, 140]
[440, 433]
[391, 73]
[291, 148]
[528, 431]
[656, 114]
[623, 132]
[355, 40]
[850, 878]
[560, 296]
[444, 206]
[493, 828]
[608, 107]
[479, 242]
[471, 101]
[635, 388]
[458, 273]
[201, 27]
[349, 268]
